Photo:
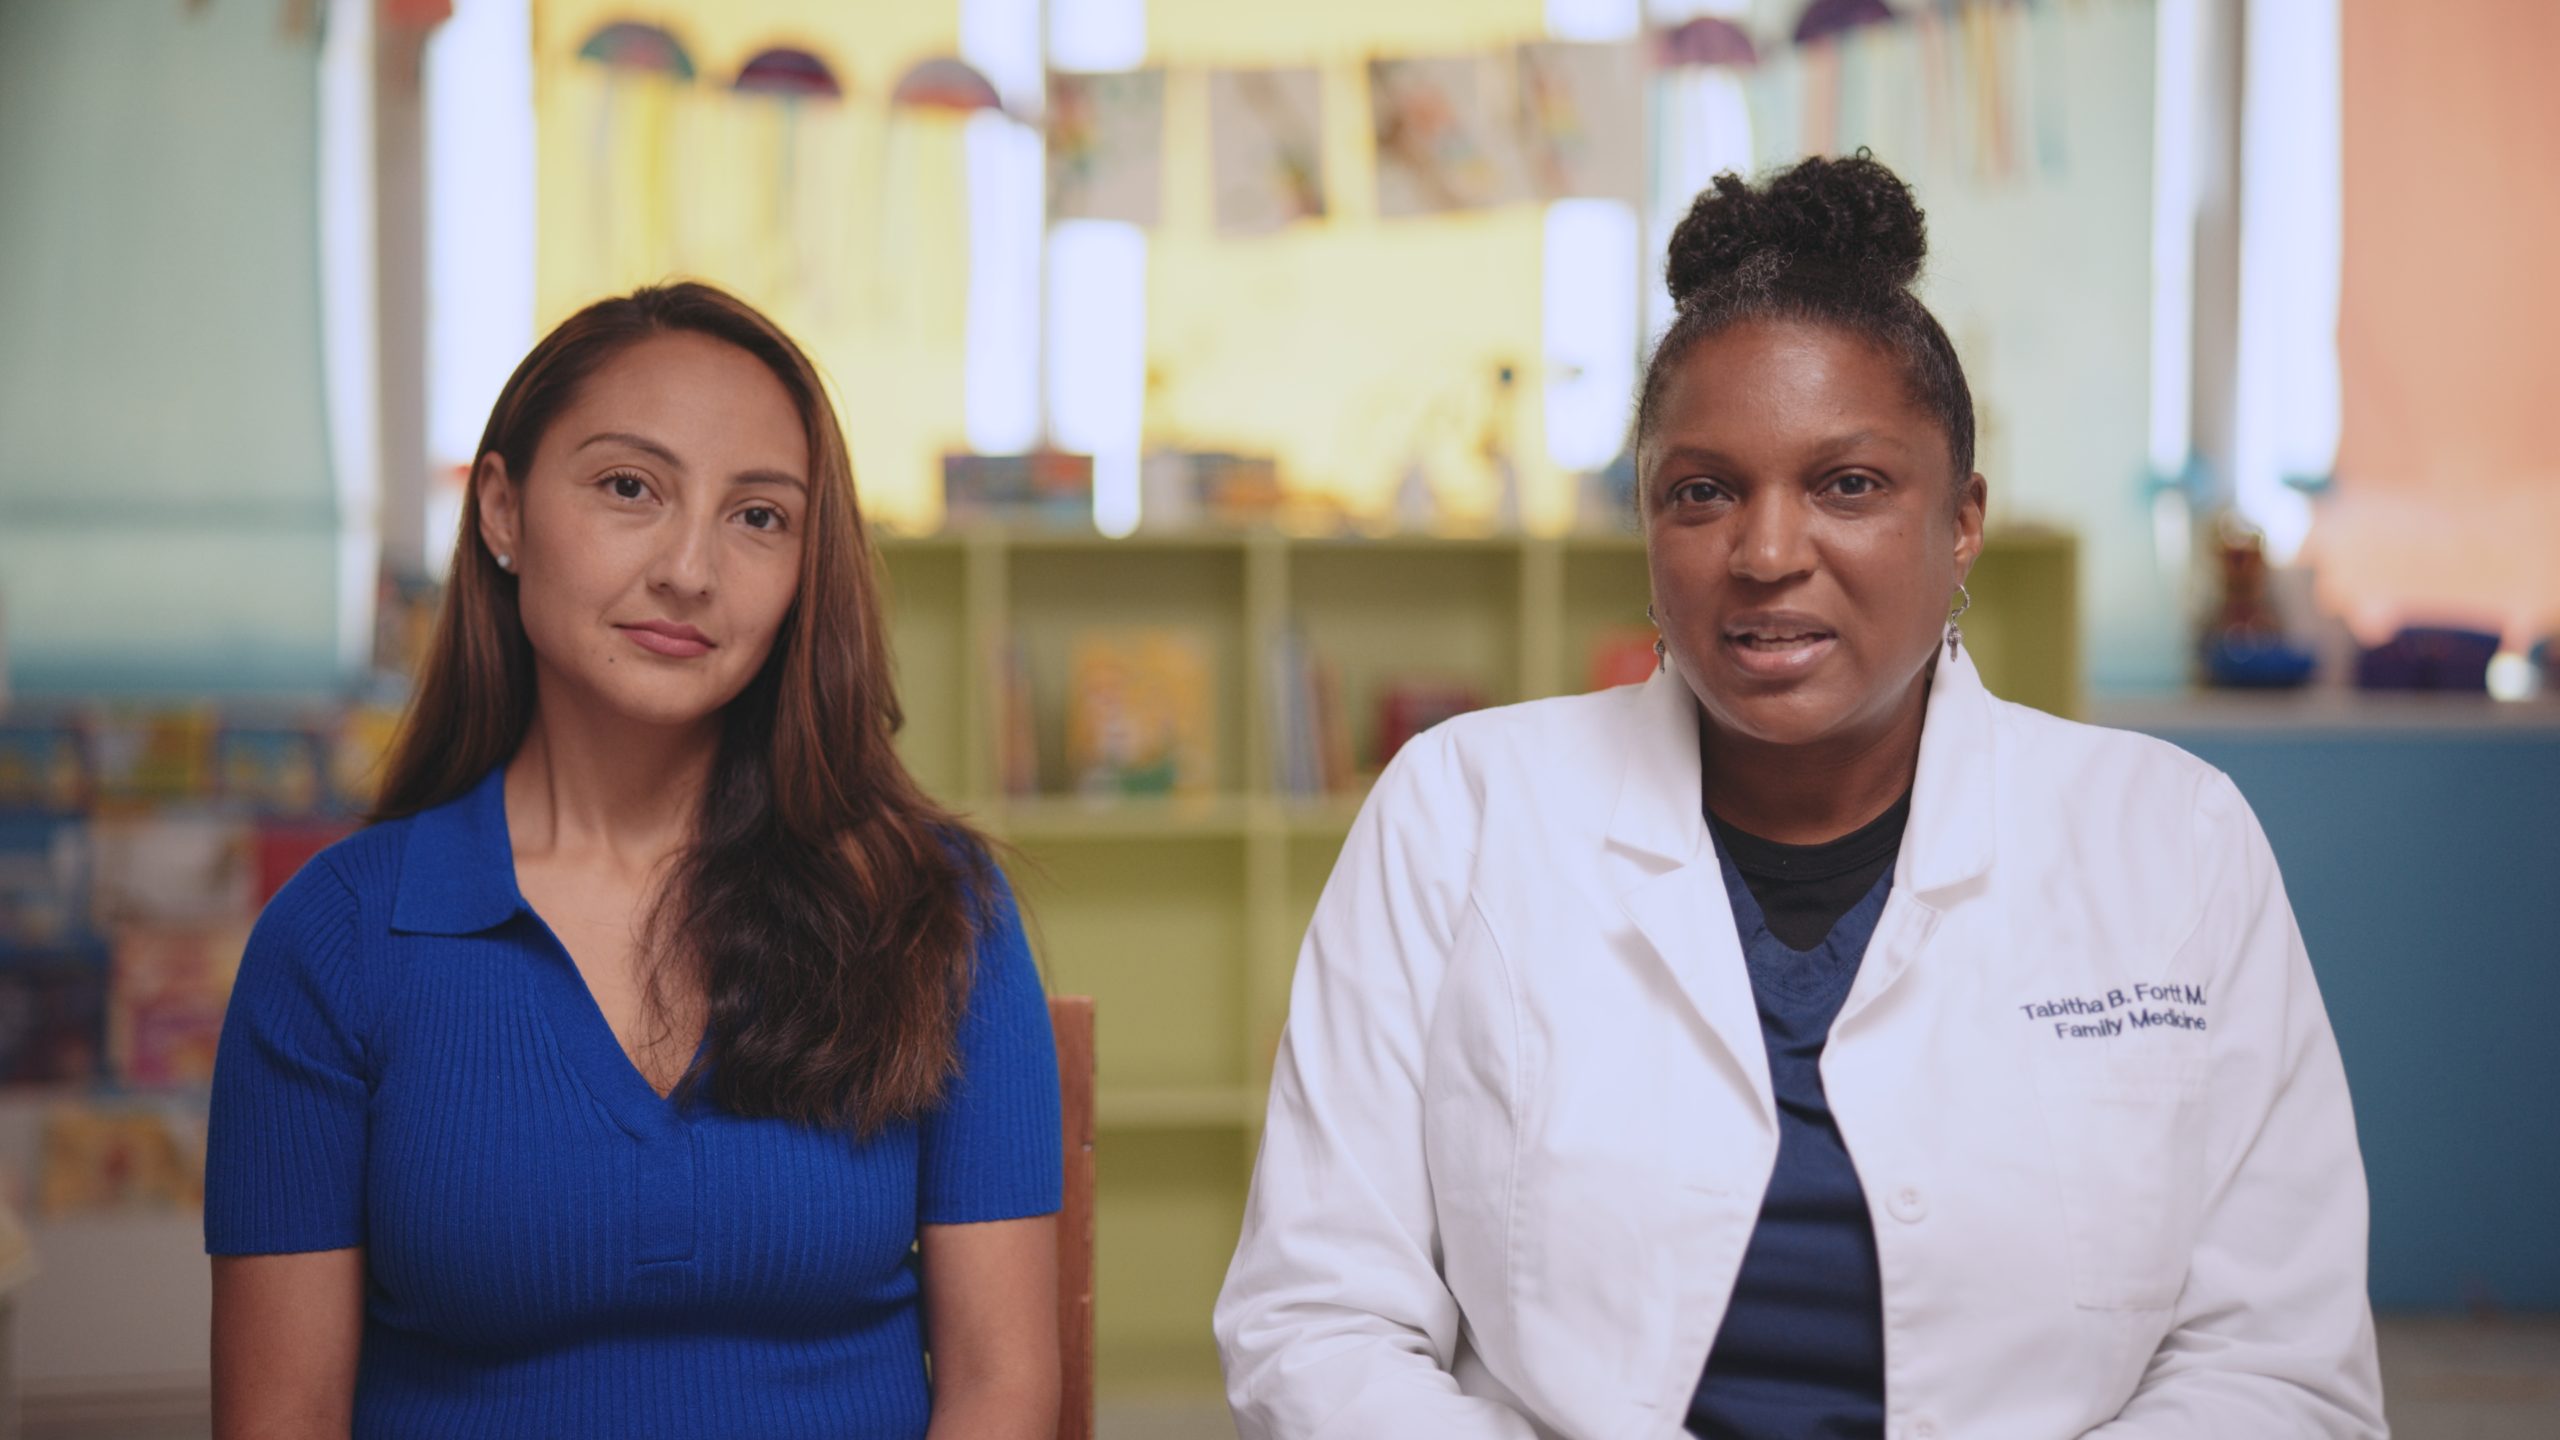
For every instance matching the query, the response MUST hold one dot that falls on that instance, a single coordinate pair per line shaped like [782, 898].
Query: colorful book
[165, 1003]
[43, 767]
[44, 881]
[272, 771]
[153, 758]
[122, 1158]
[1311, 733]
[172, 869]
[283, 847]
[53, 1011]
[1622, 655]
[1017, 735]
[1406, 708]
[1139, 715]
[357, 746]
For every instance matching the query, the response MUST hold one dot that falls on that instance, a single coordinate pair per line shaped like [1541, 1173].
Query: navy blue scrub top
[1801, 1354]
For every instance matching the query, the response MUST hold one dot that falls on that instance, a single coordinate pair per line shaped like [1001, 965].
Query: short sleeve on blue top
[412, 1064]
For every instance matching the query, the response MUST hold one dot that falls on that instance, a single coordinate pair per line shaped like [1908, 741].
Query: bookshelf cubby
[1182, 914]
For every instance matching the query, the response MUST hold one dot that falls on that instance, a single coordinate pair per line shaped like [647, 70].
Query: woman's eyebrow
[637, 442]
[1843, 444]
[661, 453]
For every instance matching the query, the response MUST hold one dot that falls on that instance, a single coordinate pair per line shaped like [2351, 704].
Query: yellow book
[1139, 715]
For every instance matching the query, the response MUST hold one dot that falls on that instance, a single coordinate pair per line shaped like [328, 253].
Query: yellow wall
[1342, 346]
[1348, 348]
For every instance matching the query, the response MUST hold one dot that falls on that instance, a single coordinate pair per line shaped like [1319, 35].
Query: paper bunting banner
[1707, 40]
[644, 49]
[1266, 147]
[1826, 19]
[790, 74]
[1106, 146]
[1447, 134]
[1582, 120]
[944, 83]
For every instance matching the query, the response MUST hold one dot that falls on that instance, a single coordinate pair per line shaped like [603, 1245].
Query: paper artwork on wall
[1447, 134]
[1582, 120]
[1106, 146]
[1266, 148]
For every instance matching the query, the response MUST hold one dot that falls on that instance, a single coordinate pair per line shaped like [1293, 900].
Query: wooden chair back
[1071, 1019]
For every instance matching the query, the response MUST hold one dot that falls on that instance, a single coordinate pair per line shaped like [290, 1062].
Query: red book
[285, 847]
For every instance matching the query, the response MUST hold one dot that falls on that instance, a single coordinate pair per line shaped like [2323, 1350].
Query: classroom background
[1237, 390]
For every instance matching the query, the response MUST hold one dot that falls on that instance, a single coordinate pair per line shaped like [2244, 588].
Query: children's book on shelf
[120, 1157]
[1622, 655]
[43, 766]
[1017, 734]
[283, 847]
[1139, 716]
[44, 880]
[358, 744]
[1408, 707]
[165, 1002]
[172, 868]
[53, 1013]
[273, 770]
[1313, 736]
[147, 758]
[1046, 488]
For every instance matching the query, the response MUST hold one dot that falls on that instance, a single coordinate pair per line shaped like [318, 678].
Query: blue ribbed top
[412, 1064]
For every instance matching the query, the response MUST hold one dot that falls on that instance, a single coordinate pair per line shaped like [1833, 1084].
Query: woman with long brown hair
[661, 1060]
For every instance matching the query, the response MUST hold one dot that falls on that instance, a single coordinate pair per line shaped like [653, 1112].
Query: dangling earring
[1955, 632]
[1661, 660]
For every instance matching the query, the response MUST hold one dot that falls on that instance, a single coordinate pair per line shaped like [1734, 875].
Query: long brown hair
[826, 907]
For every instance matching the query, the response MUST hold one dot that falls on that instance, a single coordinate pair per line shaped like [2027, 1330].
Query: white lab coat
[1521, 1119]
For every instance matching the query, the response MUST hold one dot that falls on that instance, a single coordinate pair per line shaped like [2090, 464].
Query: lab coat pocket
[2129, 1143]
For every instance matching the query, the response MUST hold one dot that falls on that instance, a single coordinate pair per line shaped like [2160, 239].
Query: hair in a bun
[1833, 241]
[1850, 219]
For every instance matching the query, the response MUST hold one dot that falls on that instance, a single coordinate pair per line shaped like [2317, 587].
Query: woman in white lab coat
[1804, 1042]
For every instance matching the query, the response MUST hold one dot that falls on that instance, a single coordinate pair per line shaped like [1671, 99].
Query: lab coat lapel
[1947, 846]
[1671, 884]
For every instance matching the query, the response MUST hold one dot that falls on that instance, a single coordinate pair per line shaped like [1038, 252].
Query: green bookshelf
[1181, 915]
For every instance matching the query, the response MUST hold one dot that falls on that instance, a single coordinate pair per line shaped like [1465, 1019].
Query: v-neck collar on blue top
[1823, 973]
[458, 878]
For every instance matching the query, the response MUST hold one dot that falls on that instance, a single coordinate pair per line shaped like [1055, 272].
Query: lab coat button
[1908, 1205]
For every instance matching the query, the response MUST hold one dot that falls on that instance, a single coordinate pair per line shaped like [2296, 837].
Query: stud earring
[1955, 632]
[1661, 653]
[506, 562]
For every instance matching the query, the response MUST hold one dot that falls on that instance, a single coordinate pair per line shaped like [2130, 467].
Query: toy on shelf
[2423, 657]
[2245, 647]
[1044, 489]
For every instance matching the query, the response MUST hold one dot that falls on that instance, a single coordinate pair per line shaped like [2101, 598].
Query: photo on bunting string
[1447, 134]
[1106, 146]
[1582, 120]
[1266, 148]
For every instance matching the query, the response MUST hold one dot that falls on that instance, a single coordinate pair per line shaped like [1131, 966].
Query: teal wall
[167, 514]
[2421, 865]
